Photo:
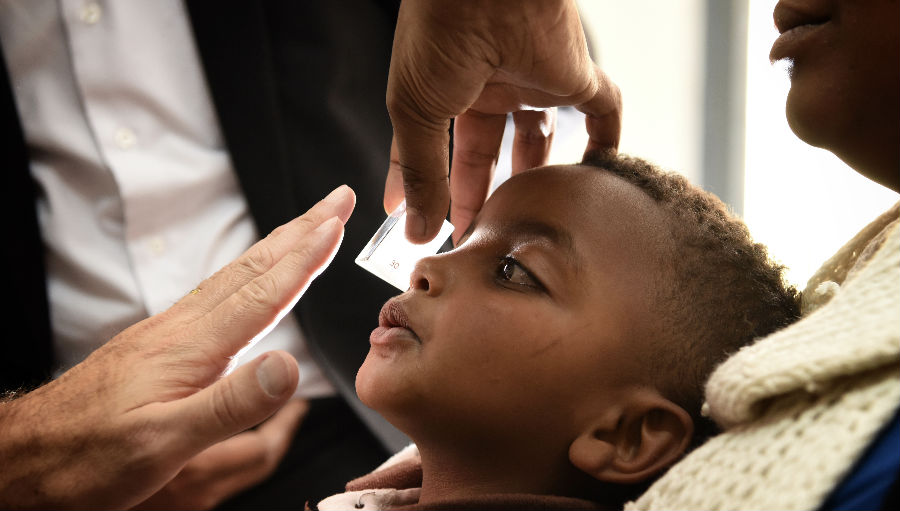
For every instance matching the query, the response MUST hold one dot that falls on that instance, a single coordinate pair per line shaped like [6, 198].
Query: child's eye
[510, 270]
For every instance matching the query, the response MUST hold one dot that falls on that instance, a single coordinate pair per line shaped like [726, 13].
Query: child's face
[531, 325]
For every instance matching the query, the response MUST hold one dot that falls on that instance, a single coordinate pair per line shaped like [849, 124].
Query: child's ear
[630, 445]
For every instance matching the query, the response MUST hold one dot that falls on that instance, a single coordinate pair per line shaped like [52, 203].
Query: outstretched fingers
[253, 308]
[264, 255]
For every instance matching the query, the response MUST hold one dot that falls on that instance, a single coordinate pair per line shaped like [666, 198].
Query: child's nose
[427, 276]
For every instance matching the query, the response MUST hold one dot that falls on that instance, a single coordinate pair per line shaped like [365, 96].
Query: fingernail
[273, 376]
[415, 225]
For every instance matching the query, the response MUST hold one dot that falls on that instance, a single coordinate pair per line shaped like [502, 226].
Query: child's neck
[455, 471]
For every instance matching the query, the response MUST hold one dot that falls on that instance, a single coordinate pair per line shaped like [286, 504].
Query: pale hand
[231, 466]
[116, 428]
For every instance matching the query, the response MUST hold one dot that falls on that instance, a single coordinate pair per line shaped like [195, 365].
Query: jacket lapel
[235, 53]
[26, 354]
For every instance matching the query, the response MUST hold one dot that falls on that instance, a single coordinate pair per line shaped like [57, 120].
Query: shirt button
[90, 13]
[157, 245]
[125, 138]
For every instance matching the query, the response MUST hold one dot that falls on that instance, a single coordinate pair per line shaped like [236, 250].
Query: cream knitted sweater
[800, 406]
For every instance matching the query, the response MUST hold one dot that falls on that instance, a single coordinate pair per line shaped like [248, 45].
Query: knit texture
[800, 406]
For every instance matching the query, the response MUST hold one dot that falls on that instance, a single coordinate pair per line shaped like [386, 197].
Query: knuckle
[534, 127]
[400, 105]
[258, 260]
[224, 408]
[260, 291]
[403, 98]
[615, 93]
[414, 108]
[532, 136]
[420, 175]
[278, 230]
[474, 158]
[394, 102]
[309, 222]
[417, 182]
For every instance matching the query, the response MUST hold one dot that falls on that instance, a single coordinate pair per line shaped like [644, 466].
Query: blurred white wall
[653, 50]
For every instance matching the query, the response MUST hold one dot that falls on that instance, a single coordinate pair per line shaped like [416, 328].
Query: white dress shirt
[140, 201]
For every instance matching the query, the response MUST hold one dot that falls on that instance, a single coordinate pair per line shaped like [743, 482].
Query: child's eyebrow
[539, 229]
[535, 229]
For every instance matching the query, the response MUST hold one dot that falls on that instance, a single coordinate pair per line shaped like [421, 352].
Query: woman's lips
[788, 16]
[797, 26]
[790, 43]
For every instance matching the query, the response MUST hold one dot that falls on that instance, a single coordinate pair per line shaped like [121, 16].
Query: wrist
[50, 455]
[19, 452]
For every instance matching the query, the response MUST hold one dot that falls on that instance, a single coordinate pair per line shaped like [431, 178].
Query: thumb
[243, 399]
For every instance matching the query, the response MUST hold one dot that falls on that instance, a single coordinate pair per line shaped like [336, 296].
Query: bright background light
[802, 202]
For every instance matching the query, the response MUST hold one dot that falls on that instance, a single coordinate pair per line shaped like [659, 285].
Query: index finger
[251, 311]
[423, 170]
[263, 255]
[425, 89]
[603, 114]
[476, 147]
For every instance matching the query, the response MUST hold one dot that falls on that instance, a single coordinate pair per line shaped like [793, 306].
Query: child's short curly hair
[718, 291]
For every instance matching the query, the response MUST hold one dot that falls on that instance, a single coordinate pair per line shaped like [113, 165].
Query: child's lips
[391, 337]
[393, 322]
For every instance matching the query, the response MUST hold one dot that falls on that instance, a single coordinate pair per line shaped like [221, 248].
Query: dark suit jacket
[299, 90]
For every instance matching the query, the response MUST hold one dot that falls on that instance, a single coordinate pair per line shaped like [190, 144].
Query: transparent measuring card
[391, 257]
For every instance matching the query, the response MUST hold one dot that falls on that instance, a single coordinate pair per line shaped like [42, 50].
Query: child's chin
[378, 383]
[387, 389]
